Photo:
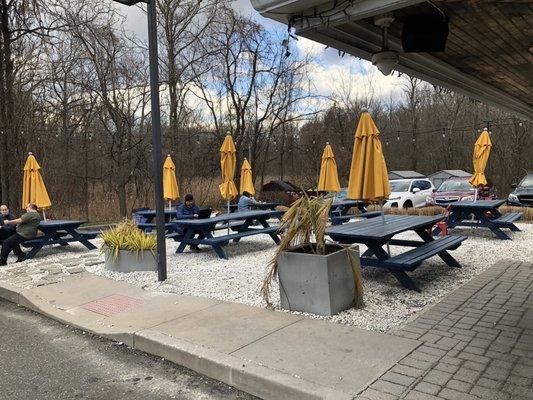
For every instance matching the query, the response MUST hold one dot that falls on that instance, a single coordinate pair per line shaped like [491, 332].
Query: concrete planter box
[322, 285]
[130, 261]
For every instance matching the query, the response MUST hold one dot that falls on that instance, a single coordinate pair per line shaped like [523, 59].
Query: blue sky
[330, 73]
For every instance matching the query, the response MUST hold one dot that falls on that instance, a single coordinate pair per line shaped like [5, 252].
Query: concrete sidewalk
[269, 354]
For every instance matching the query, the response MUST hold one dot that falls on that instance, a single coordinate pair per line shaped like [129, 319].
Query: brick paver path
[477, 343]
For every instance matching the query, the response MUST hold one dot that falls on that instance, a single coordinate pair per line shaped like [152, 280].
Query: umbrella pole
[44, 216]
[169, 204]
[383, 219]
[228, 213]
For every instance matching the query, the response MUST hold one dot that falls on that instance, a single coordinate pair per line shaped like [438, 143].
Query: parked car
[408, 193]
[522, 196]
[457, 189]
[341, 196]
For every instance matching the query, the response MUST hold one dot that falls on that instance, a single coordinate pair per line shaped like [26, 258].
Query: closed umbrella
[228, 160]
[33, 188]
[329, 178]
[247, 183]
[482, 149]
[170, 184]
[369, 179]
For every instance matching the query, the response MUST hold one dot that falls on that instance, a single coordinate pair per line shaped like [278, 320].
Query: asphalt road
[41, 359]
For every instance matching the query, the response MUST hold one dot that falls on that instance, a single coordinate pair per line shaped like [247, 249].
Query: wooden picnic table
[258, 206]
[200, 231]
[60, 232]
[149, 215]
[375, 235]
[482, 214]
[339, 211]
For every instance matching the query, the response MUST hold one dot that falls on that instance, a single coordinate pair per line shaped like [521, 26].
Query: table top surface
[259, 214]
[60, 223]
[486, 204]
[375, 229]
[259, 205]
[148, 213]
[341, 203]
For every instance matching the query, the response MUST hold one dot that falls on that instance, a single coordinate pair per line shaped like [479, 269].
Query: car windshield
[399, 186]
[527, 182]
[338, 196]
[454, 185]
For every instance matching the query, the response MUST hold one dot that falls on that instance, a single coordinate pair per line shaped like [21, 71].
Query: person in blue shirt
[188, 210]
[246, 202]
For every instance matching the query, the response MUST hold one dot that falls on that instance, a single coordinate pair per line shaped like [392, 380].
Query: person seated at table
[246, 202]
[6, 230]
[188, 210]
[26, 229]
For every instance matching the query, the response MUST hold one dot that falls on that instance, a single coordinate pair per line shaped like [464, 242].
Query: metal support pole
[156, 143]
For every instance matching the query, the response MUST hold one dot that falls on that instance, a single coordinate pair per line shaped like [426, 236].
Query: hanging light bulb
[387, 142]
[398, 135]
[444, 132]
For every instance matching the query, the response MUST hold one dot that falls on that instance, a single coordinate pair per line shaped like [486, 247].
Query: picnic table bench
[482, 214]
[60, 232]
[200, 231]
[375, 235]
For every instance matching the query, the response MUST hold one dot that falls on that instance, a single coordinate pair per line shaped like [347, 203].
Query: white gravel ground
[387, 304]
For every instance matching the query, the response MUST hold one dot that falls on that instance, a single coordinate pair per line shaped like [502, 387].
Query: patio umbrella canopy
[368, 173]
[482, 149]
[228, 190]
[247, 183]
[33, 188]
[329, 177]
[170, 184]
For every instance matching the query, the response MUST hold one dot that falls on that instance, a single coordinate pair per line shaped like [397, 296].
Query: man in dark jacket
[27, 227]
[188, 210]
[5, 229]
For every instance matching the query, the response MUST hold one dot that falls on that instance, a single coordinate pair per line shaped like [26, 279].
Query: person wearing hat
[188, 210]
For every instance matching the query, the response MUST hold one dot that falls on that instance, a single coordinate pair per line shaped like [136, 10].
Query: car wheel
[408, 204]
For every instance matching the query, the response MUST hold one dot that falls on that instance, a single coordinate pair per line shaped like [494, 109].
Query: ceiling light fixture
[386, 59]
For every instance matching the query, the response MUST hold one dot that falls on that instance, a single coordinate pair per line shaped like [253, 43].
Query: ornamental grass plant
[126, 236]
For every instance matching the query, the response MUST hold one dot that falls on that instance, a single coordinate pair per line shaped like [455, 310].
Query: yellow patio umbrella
[368, 173]
[170, 184]
[482, 149]
[33, 188]
[329, 178]
[228, 190]
[247, 183]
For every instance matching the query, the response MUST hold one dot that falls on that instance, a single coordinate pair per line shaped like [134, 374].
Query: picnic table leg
[514, 228]
[185, 240]
[401, 276]
[80, 238]
[244, 227]
[405, 280]
[444, 255]
[274, 236]
[37, 247]
[220, 251]
[492, 226]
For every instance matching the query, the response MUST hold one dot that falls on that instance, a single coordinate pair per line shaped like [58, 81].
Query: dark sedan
[522, 196]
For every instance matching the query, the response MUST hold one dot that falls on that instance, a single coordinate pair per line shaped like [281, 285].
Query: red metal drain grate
[112, 305]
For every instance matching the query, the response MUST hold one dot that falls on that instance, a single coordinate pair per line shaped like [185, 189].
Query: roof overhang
[472, 67]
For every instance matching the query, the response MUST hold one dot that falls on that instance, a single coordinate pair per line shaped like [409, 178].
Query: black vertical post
[156, 142]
